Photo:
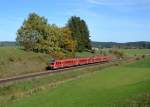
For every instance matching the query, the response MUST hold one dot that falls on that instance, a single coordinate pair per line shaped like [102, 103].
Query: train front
[51, 64]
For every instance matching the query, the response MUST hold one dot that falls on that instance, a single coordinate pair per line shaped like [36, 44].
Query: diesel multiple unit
[56, 64]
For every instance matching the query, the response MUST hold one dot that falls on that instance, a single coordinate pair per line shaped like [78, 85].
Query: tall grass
[15, 61]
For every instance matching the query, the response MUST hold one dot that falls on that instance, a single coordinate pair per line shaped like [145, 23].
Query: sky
[107, 20]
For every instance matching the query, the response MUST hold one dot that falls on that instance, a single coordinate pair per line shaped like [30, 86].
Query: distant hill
[7, 43]
[141, 44]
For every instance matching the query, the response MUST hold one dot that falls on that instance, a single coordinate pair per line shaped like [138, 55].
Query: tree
[49, 43]
[27, 38]
[85, 35]
[37, 35]
[68, 43]
[80, 33]
[31, 31]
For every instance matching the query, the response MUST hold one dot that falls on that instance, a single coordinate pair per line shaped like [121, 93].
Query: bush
[137, 58]
[117, 53]
[58, 55]
[11, 59]
[13, 97]
[143, 56]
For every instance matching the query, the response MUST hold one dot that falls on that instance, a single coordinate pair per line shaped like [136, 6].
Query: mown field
[127, 85]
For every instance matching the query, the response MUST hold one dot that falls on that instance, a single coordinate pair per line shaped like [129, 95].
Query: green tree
[80, 33]
[85, 35]
[49, 43]
[27, 38]
[37, 35]
[32, 29]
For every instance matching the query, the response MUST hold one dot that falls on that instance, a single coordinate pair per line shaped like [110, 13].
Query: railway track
[44, 73]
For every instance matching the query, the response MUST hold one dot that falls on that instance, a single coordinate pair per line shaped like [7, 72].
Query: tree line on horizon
[127, 45]
[37, 35]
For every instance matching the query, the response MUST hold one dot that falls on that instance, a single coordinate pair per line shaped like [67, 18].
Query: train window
[52, 63]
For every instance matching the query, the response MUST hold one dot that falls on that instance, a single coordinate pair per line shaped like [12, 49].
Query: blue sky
[108, 20]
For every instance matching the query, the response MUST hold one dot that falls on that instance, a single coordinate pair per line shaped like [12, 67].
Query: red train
[56, 64]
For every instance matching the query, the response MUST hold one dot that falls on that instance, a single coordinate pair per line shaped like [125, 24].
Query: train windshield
[52, 61]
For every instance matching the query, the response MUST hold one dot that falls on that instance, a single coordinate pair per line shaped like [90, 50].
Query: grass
[127, 52]
[110, 87]
[29, 87]
[140, 100]
[133, 52]
[86, 54]
[14, 61]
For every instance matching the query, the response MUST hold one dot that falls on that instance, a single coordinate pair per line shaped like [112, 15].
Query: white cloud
[120, 2]
[93, 1]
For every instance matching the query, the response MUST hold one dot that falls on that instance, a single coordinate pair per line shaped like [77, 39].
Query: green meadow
[126, 85]
[133, 52]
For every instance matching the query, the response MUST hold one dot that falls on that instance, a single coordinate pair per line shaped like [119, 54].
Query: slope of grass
[109, 87]
[14, 61]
